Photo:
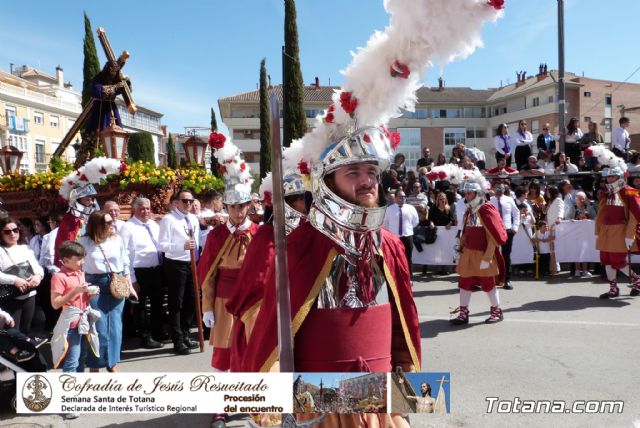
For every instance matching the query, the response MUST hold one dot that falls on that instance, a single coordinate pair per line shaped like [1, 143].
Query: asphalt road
[558, 342]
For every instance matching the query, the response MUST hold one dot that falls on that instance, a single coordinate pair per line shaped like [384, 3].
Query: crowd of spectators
[547, 186]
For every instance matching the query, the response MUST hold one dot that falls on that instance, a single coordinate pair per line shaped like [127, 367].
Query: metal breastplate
[473, 220]
[616, 201]
[329, 296]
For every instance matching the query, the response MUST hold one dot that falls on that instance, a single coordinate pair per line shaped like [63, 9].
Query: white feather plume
[92, 172]
[607, 157]
[237, 172]
[420, 33]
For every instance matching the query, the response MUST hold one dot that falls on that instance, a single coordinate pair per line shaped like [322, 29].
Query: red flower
[348, 102]
[83, 178]
[442, 175]
[303, 167]
[496, 4]
[588, 152]
[217, 140]
[223, 170]
[400, 70]
[366, 138]
[329, 118]
[267, 198]
[123, 167]
[243, 166]
[394, 138]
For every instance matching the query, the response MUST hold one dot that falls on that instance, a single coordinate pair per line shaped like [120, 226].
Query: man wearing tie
[400, 218]
[511, 220]
[140, 236]
[177, 230]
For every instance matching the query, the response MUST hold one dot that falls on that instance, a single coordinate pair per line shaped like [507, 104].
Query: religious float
[101, 158]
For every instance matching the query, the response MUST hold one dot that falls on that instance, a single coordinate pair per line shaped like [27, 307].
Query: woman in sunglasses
[105, 253]
[18, 267]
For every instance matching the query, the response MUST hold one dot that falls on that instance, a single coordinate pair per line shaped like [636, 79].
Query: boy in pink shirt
[70, 291]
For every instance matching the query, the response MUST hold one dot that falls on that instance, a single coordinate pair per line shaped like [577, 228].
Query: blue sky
[187, 54]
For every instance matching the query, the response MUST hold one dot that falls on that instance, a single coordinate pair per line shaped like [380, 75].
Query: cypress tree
[140, 147]
[215, 166]
[295, 122]
[171, 154]
[91, 65]
[265, 125]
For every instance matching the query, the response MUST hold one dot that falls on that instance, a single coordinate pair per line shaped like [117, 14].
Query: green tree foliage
[295, 122]
[140, 147]
[91, 65]
[172, 161]
[265, 125]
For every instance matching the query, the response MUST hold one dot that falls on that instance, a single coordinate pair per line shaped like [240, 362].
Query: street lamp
[10, 158]
[114, 139]
[194, 149]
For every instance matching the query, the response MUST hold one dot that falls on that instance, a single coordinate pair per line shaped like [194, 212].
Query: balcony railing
[38, 97]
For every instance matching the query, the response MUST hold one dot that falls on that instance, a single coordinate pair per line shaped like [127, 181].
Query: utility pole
[561, 100]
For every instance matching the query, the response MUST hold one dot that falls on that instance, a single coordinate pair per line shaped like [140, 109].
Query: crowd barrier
[574, 241]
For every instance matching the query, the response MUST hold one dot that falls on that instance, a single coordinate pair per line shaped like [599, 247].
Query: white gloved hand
[208, 319]
[629, 242]
[484, 265]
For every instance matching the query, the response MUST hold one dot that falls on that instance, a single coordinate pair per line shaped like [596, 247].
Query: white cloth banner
[441, 252]
[522, 248]
[575, 241]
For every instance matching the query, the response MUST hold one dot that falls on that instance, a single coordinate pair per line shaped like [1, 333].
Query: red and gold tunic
[617, 219]
[245, 302]
[482, 236]
[218, 271]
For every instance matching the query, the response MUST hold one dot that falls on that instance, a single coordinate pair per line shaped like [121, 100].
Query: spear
[283, 303]
[196, 291]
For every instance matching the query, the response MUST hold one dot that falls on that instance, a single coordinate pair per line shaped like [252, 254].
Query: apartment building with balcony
[445, 116]
[36, 111]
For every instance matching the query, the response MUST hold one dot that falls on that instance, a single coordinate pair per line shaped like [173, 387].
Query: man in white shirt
[140, 235]
[212, 215]
[47, 253]
[400, 218]
[177, 232]
[620, 139]
[511, 219]
[113, 209]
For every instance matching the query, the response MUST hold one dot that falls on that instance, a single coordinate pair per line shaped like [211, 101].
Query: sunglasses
[10, 231]
[187, 201]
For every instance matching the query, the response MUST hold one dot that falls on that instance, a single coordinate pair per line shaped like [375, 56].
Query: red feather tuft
[394, 138]
[496, 4]
[103, 170]
[442, 175]
[267, 198]
[329, 118]
[348, 102]
[303, 167]
[397, 69]
[83, 178]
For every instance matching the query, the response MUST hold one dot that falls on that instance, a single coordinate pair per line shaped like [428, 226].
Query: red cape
[310, 255]
[258, 261]
[68, 230]
[256, 269]
[492, 223]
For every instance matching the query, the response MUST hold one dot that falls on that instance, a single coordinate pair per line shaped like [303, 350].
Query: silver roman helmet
[75, 207]
[293, 184]
[335, 217]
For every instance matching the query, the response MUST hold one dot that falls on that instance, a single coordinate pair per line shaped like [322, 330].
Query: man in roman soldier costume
[352, 308]
[78, 189]
[482, 236]
[616, 221]
[259, 261]
[224, 254]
